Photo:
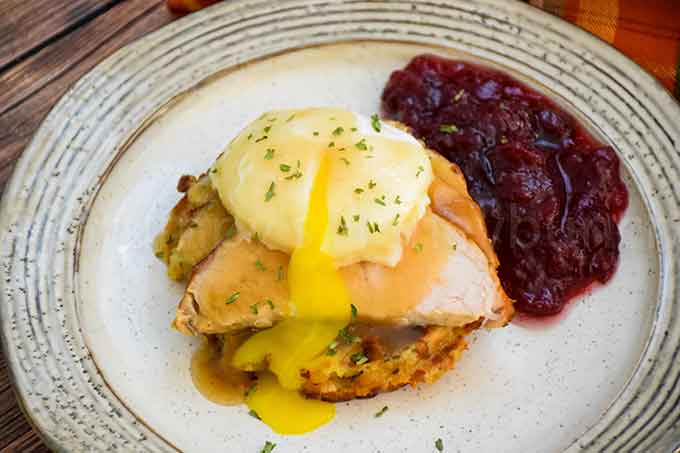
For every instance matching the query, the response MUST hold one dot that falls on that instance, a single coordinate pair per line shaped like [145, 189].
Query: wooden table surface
[45, 47]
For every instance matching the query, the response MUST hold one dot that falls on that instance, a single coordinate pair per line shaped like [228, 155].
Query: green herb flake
[232, 298]
[347, 337]
[345, 160]
[290, 118]
[420, 170]
[270, 192]
[315, 133]
[267, 129]
[342, 228]
[396, 219]
[279, 273]
[355, 217]
[231, 231]
[269, 154]
[358, 190]
[264, 137]
[338, 131]
[251, 389]
[359, 358]
[454, 246]
[268, 447]
[260, 266]
[284, 168]
[253, 414]
[250, 136]
[397, 200]
[361, 145]
[439, 445]
[370, 227]
[448, 128]
[375, 122]
[253, 309]
[214, 171]
[331, 145]
[418, 247]
[371, 184]
[458, 95]
[381, 412]
[380, 201]
[270, 303]
[332, 349]
[376, 228]
[354, 312]
[354, 129]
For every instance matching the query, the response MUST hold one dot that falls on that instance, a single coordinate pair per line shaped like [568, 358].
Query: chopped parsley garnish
[354, 129]
[375, 122]
[213, 171]
[373, 227]
[315, 133]
[439, 445]
[454, 246]
[268, 447]
[290, 118]
[397, 200]
[342, 228]
[332, 348]
[418, 247]
[331, 145]
[284, 168]
[396, 219]
[231, 231]
[267, 129]
[371, 184]
[359, 358]
[269, 154]
[298, 173]
[253, 414]
[270, 192]
[270, 303]
[355, 217]
[448, 128]
[260, 266]
[251, 389]
[338, 131]
[250, 136]
[354, 311]
[458, 95]
[279, 273]
[347, 337]
[232, 298]
[253, 309]
[380, 201]
[345, 160]
[264, 137]
[420, 170]
[381, 412]
[361, 145]
[358, 190]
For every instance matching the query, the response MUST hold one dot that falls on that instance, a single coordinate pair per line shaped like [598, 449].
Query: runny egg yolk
[321, 308]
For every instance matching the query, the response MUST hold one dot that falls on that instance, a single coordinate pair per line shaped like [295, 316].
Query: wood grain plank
[28, 442]
[54, 69]
[25, 25]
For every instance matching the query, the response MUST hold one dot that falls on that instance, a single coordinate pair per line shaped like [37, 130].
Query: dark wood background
[45, 47]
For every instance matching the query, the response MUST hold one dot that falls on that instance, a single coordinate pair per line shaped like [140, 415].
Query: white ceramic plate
[86, 307]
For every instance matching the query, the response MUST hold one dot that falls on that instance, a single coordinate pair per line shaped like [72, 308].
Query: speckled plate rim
[41, 221]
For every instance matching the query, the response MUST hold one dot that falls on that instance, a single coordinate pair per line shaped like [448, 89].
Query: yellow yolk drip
[321, 307]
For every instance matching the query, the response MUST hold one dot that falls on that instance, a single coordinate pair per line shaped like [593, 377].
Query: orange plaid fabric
[648, 31]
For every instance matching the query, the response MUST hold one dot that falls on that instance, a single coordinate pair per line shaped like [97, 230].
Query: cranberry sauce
[551, 194]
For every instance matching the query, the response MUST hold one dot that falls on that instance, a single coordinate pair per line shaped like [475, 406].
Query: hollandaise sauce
[321, 307]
